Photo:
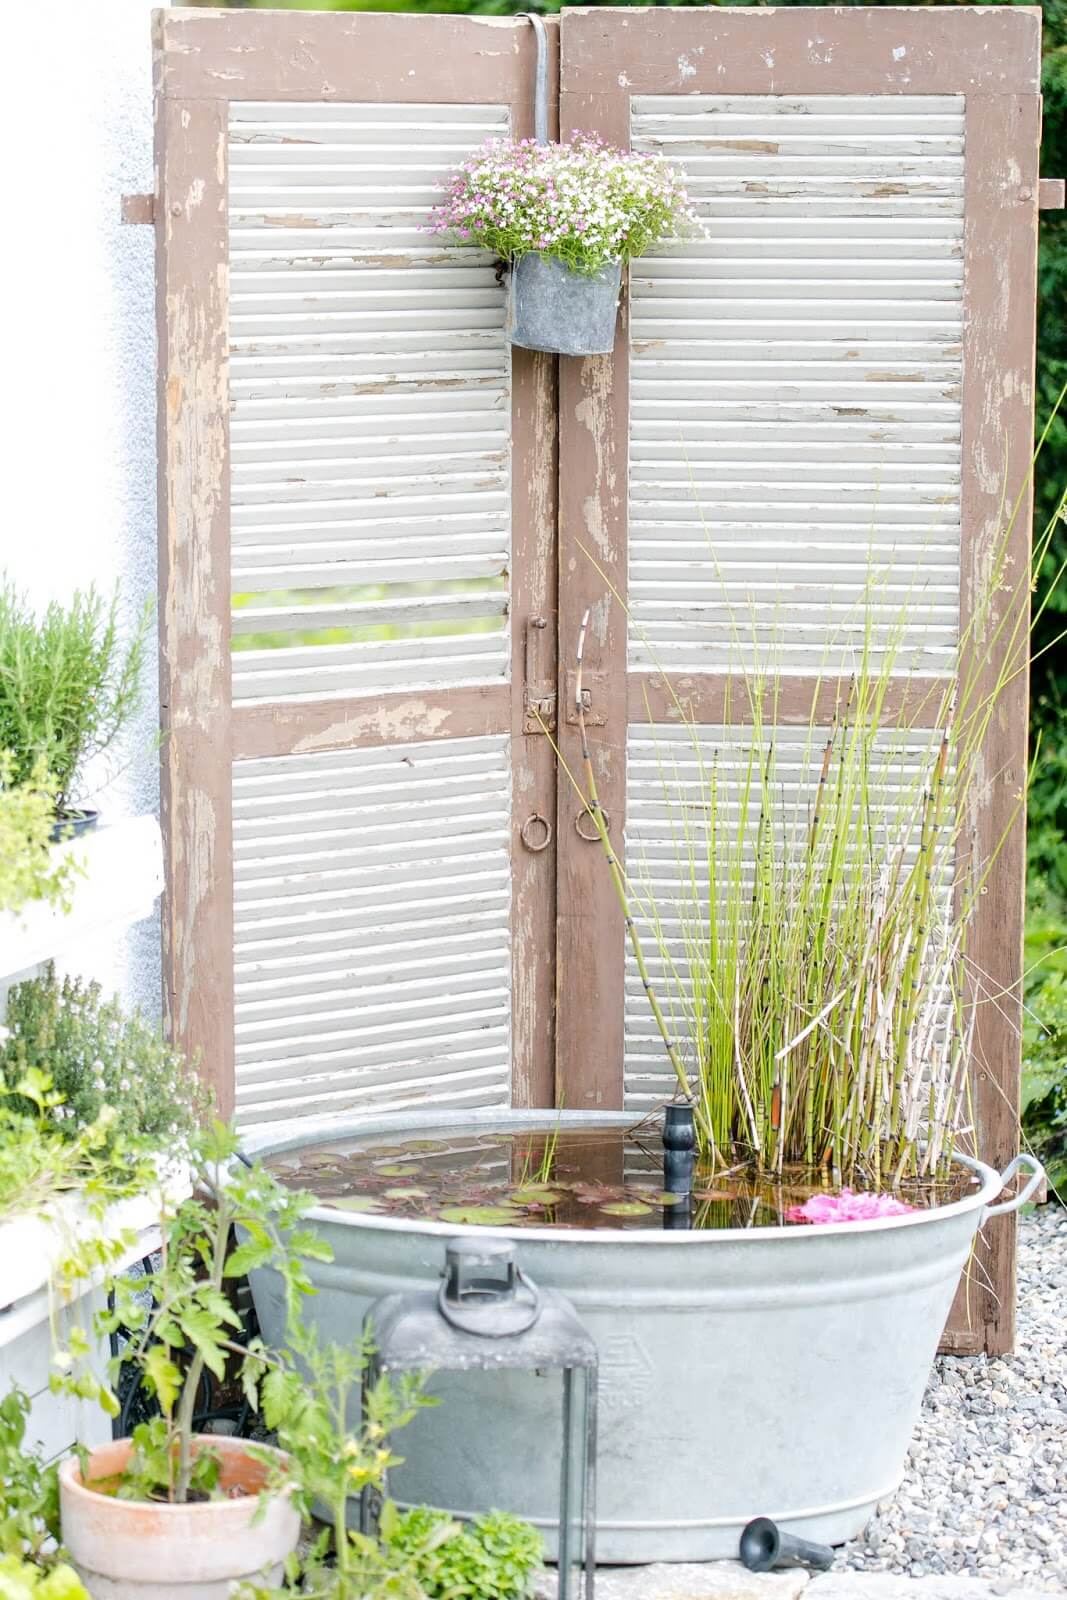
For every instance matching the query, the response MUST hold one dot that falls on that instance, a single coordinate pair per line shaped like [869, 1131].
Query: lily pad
[667, 1197]
[401, 1171]
[597, 1193]
[353, 1202]
[480, 1216]
[627, 1208]
[406, 1194]
[535, 1194]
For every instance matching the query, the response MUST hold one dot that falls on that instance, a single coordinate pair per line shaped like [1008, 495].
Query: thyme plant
[98, 1057]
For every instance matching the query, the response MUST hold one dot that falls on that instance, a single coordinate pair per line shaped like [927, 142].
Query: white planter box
[122, 880]
[28, 1248]
[57, 1422]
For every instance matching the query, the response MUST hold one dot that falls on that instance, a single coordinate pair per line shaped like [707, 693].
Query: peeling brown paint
[301, 728]
[762, 146]
[194, 585]
[1001, 137]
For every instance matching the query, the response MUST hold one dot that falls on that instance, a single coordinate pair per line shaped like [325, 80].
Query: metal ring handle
[470, 1322]
[591, 838]
[1037, 1177]
[525, 833]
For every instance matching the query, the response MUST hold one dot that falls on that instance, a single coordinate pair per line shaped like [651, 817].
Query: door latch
[539, 694]
[593, 699]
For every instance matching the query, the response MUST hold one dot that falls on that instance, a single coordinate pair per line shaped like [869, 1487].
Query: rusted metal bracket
[593, 697]
[139, 208]
[539, 693]
[1050, 194]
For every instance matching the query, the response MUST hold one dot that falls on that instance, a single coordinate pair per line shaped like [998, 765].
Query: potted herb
[566, 218]
[68, 686]
[60, 1185]
[168, 1510]
[98, 1056]
[104, 1109]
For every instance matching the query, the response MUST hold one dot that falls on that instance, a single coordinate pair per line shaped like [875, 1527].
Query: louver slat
[360, 360]
[370, 550]
[373, 955]
[668, 773]
[825, 358]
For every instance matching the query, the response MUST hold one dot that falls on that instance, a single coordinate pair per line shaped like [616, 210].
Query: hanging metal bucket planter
[566, 313]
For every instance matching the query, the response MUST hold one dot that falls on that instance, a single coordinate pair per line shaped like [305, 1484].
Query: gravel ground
[985, 1491]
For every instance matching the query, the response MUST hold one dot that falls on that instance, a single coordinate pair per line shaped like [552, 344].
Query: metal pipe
[541, 79]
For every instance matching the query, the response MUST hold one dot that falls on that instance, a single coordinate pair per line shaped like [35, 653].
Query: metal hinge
[539, 692]
[139, 208]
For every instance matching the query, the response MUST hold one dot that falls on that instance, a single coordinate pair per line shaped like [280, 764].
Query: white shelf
[123, 878]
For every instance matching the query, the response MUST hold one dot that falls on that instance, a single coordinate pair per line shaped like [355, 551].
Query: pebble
[985, 1490]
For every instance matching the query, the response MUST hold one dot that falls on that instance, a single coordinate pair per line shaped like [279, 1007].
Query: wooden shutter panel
[358, 524]
[841, 372]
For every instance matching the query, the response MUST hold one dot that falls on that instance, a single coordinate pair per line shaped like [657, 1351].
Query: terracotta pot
[135, 1550]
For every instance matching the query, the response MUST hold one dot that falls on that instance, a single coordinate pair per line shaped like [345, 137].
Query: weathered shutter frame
[992, 57]
[203, 62]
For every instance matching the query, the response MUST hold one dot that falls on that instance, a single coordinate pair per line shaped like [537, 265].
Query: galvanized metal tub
[568, 313]
[773, 1372]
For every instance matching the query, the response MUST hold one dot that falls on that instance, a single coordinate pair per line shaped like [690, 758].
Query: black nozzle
[679, 1147]
[765, 1548]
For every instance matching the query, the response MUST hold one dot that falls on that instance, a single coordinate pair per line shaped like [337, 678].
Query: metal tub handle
[1037, 1177]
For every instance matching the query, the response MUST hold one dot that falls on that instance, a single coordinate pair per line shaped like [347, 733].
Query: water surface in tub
[600, 1178]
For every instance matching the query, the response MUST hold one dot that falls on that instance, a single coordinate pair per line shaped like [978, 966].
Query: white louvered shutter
[381, 548]
[827, 396]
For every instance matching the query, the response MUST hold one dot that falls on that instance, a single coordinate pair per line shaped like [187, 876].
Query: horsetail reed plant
[807, 968]
[596, 811]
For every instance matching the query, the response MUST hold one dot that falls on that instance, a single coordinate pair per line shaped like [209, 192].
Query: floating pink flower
[847, 1207]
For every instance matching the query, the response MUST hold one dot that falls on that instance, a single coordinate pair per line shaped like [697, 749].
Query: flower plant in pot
[69, 685]
[566, 218]
[169, 1511]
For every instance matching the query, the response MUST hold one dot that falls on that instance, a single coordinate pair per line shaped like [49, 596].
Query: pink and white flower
[584, 202]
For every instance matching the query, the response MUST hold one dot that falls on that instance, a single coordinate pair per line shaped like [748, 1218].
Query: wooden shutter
[840, 373]
[358, 528]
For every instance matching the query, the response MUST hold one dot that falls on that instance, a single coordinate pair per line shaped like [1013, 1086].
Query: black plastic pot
[72, 824]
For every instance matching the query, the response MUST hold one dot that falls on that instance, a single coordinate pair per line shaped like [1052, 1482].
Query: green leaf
[246, 1257]
[164, 1377]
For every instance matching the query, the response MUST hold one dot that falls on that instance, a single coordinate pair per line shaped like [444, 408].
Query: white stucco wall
[79, 358]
